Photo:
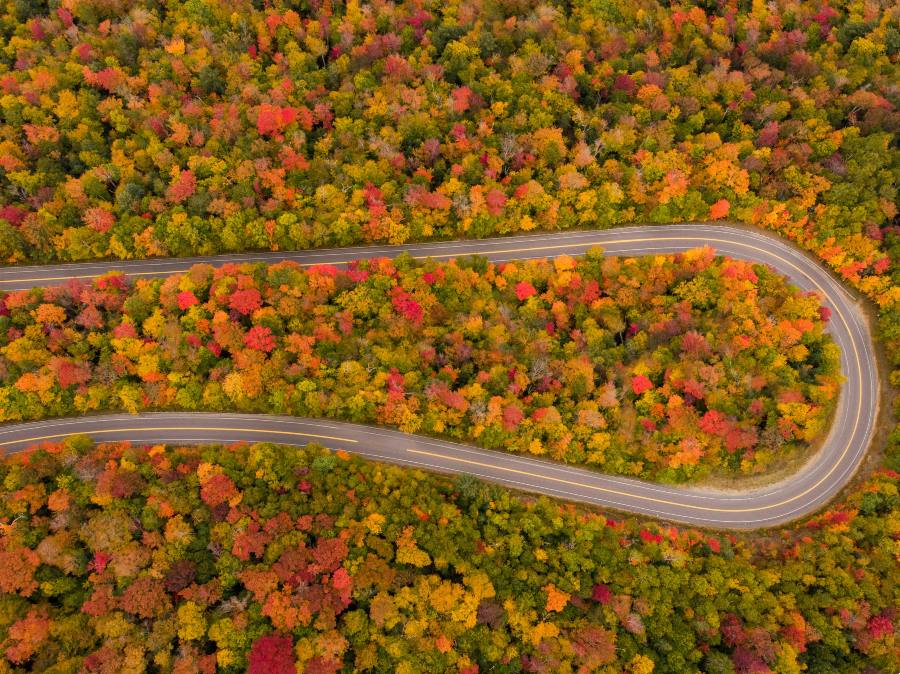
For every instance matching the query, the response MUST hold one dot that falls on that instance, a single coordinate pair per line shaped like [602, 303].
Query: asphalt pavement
[807, 490]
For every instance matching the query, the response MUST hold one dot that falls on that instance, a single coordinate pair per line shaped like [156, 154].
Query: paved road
[807, 490]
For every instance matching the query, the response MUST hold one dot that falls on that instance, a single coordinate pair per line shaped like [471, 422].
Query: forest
[141, 128]
[275, 560]
[664, 367]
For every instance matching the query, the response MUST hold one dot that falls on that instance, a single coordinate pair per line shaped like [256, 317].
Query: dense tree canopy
[666, 367]
[277, 559]
[155, 127]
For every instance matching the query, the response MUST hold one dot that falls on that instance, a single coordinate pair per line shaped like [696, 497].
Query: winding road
[819, 480]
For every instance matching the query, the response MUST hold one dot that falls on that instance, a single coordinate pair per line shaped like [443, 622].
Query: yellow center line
[179, 428]
[571, 483]
[574, 244]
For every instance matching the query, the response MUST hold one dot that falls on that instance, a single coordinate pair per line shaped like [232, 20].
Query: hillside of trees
[663, 367]
[276, 560]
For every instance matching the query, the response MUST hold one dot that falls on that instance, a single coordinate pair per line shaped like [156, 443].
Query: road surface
[820, 479]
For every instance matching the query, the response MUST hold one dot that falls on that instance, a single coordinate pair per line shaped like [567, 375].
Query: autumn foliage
[275, 560]
[137, 129]
[668, 367]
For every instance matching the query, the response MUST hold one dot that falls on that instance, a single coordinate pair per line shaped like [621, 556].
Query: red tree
[245, 301]
[260, 338]
[524, 290]
[187, 299]
[640, 384]
[272, 655]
